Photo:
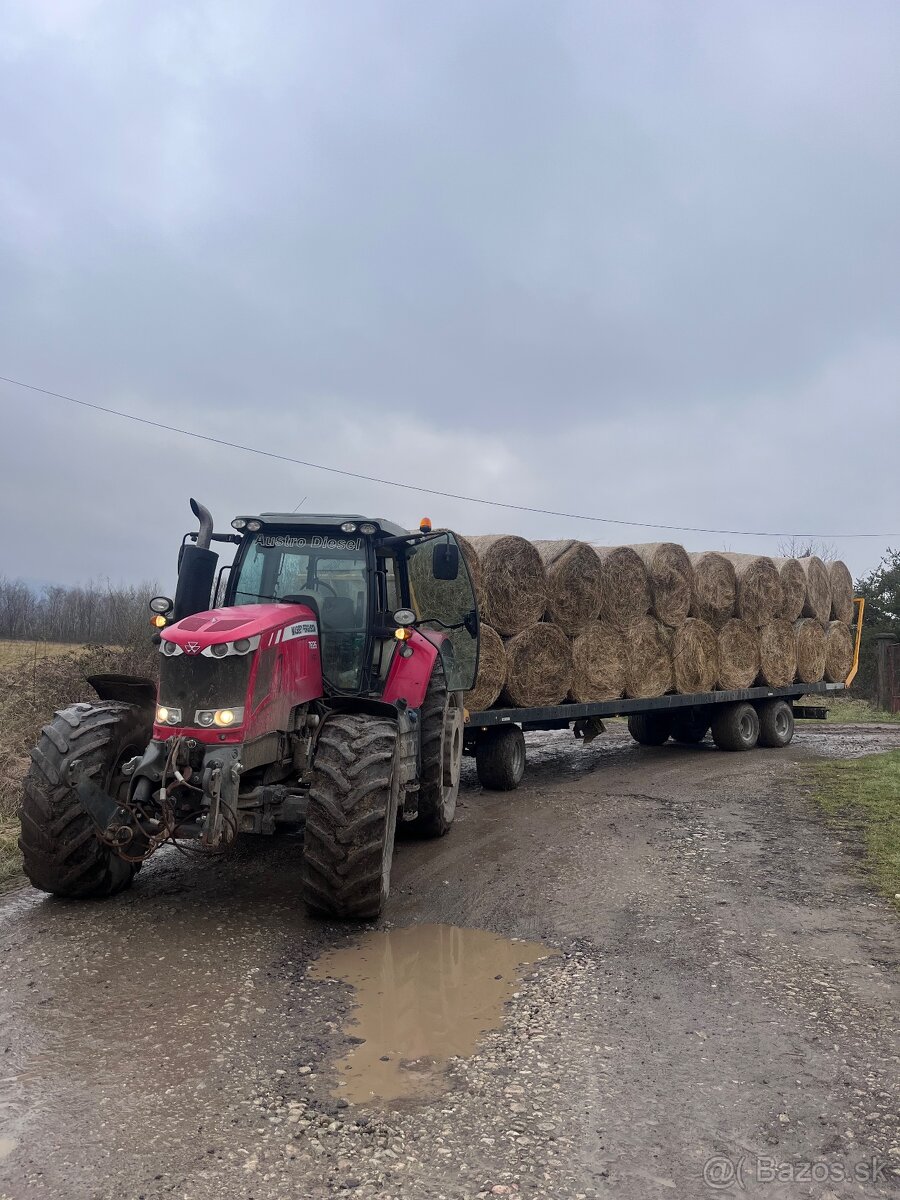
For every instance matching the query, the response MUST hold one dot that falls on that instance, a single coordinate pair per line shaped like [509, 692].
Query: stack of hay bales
[568, 621]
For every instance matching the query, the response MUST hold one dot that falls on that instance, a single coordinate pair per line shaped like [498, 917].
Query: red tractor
[324, 692]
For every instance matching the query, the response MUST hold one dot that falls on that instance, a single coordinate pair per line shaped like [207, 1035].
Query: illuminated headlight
[168, 716]
[223, 718]
[254, 526]
[368, 527]
[348, 527]
[238, 523]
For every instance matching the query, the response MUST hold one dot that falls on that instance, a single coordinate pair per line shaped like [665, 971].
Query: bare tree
[795, 547]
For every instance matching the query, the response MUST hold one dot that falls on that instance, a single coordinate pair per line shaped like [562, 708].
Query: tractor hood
[264, 621]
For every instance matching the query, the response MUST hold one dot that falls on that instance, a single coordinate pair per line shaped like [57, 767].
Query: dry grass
[35, 681]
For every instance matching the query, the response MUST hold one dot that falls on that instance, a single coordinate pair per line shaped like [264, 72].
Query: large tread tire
[776, 724]
[689, 726]
[650, 728]
[58, 840]
[351, 819]
[736, 727]
[500, 758]
[441, 758]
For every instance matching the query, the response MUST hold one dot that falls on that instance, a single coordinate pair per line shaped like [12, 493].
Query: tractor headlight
[169, 648]
[348, 527]
[368, 528]
[238, 523]
[168, 716]
[222, 718]
[243, 646]
[224, 649]
[219, 650]
[254, 526]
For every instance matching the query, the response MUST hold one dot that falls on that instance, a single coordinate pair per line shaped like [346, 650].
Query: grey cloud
[647, 252]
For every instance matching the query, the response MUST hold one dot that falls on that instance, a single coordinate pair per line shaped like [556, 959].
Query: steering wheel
[323, 583]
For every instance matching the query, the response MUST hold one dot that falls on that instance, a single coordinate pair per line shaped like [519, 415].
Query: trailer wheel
[348, 840]
[650, 728]
[690, 726]
[776, 723]
[442, 747]
[58, 840]
[736, 727]
[500, 758]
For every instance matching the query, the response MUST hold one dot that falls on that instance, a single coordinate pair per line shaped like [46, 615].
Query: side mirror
[445, 561]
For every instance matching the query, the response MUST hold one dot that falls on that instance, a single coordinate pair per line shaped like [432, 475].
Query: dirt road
[723, 1016]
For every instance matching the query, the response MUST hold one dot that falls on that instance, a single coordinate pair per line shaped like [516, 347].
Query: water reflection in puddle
[423, 995]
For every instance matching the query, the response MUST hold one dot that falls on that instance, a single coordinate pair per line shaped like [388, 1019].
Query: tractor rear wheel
[59, 842]
[348, 841]
[442, 748]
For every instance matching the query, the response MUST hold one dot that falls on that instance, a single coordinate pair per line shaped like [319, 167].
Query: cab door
[443, 599]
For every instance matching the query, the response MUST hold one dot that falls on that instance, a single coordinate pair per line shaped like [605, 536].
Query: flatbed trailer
[738, 720]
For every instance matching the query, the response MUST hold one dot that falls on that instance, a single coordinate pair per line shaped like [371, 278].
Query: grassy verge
[844, 710]
[862, 796]
[10, 860]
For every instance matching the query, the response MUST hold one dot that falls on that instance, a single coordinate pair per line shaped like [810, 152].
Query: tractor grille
[192, 681]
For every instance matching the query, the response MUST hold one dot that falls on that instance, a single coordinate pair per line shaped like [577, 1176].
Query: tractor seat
[339, 612]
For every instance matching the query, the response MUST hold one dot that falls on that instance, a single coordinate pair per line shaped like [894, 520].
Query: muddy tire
[500, 758]
[689, 726]
[441, 760]
[348, 841]
[735, 727]
[650, 728]
[58, 840]
[776, 723]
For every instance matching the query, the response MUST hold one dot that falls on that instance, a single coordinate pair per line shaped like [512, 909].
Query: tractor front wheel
[348, 841]
[442, 748]
[58, 840]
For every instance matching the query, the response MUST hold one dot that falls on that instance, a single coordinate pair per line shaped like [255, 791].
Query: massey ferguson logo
[192, 647]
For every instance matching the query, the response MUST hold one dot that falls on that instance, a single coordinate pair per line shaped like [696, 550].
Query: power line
[412, 487]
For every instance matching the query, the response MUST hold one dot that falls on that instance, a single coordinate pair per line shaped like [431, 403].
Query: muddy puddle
[424, 995]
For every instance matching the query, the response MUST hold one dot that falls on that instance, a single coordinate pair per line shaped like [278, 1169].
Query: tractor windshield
[331, 571]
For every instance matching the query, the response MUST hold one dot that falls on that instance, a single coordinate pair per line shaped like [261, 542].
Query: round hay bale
[491, 671]
[513, 580]
[671, 580]
[738, 655]
[715, 588]
[760, 597]
[538, 667]
[648, 659]
[793, 586]
[818, 588]
[624, 585]
[777, 653]
[841, 592]
[598, 661]
[839, 648]
[810, 637]
[695, 656]
[474, 565]
[573, 583]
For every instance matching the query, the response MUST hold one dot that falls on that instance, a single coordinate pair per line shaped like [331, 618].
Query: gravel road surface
[722, 1015]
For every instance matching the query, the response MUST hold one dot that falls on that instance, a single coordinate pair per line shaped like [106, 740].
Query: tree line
[95, 613]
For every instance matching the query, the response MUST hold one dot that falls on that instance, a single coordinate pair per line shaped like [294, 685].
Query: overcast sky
[630, 260]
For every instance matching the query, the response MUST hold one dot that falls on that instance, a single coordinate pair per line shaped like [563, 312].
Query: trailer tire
[500, 758]
[736, 727]
[61, 851]
[776, 724]
[441, 759]
[650, 728]
[351, 819]
[690, 726]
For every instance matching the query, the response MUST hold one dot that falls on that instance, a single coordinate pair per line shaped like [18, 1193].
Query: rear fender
[408, 678]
